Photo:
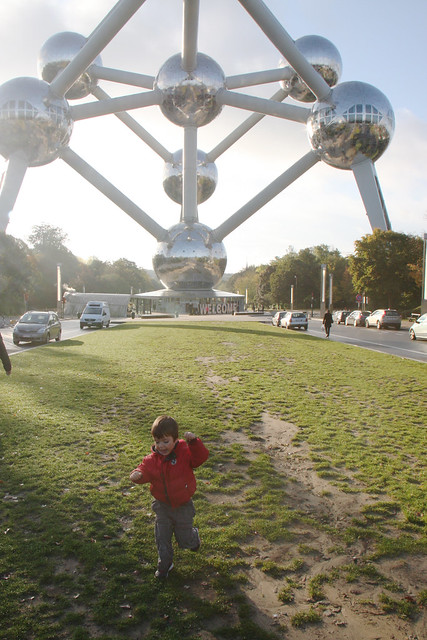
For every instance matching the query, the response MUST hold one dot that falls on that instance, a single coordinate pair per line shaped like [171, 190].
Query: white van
[95, 314]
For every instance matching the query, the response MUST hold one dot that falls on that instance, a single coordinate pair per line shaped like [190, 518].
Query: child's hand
[189, 436]
[135, 476]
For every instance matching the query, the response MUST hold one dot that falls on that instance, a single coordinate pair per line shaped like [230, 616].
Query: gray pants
[178, 521]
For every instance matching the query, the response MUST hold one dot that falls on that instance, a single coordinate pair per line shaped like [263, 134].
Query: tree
[49, 251]
[245, 281]
[16, 273]
[382, 267]
[44, 236]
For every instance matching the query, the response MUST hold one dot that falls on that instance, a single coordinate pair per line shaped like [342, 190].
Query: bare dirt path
[348, 610]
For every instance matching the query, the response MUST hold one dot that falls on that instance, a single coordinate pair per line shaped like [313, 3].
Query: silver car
[418, 331]
[275, 320]
[384, 318]
[294, 320]
[357, 318]
[37, 326]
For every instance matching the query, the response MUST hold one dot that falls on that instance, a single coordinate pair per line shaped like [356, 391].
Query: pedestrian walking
[327, 322]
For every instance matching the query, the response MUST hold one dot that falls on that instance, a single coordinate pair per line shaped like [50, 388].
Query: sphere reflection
[189, 99]
[190, 259]
[357, 123]
[32, 121]
[56, 53]
[207, 177]
[323, 56]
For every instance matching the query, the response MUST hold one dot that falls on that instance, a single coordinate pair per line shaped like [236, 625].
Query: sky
[381, 42]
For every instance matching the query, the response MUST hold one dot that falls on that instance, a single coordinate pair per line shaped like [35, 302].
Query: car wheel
[15, 341]
[366, 324]
[108, 324]
[58, 337]
[379, 325]
[397, 327]
[46, 338]
[355, 323]
[412, 334]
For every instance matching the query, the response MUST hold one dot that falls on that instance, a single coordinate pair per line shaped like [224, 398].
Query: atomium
[349, 126]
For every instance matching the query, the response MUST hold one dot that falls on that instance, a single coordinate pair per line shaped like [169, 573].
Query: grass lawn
[77, 553]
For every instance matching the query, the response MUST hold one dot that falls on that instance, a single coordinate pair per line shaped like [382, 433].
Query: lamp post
[323, 291]
[331, 278]
[424, 281]
[58, 290]
[292, 297]
[296, 286]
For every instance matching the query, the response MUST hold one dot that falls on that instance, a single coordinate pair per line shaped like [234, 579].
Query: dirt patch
[348, 610]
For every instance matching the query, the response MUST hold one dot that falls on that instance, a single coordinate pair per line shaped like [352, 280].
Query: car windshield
[35, 318]
[96, 311]
[298, 315]
[390, 312]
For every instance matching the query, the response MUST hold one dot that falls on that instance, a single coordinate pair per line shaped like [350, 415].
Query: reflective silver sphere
[358, 123]
[189, 99]
[56, 53]
[323, 56]
[32, 121]
[207, 177]
[189, 259]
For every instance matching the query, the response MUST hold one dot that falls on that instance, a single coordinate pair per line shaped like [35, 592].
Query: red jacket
[171, 477]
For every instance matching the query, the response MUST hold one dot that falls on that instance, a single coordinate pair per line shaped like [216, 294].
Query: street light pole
[323, 291]
[58, 289]
[296, 285]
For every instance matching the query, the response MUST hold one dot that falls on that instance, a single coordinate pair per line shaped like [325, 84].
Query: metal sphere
[32, 121]
[207, 177]
[323, 56]
[357, 123]
[190, 259]
[189, 99]
[56, 53]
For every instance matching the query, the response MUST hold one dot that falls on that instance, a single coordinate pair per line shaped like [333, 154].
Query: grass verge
[77, 544]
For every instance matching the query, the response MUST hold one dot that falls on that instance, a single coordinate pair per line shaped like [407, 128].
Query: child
[169, 470]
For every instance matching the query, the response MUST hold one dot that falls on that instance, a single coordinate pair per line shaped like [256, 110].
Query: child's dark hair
[164, 426]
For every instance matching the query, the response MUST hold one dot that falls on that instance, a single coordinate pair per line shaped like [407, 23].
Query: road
[390, 341]
[396, 343]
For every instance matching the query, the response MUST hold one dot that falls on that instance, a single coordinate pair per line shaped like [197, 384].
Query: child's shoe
[162, 575]
[197, 547]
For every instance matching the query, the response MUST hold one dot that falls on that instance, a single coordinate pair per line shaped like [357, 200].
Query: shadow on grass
[225, 328]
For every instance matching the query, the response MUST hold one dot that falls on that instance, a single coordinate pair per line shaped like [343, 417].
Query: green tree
[382, 267]
[16, 272]
[263, 298]
[302, 272]
[121, 276]
[245, 280]
[49, 251]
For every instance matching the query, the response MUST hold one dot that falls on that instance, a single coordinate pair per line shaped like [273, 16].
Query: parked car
[95, 314]
[418, 331]
[384, 318]
[294, 320]
[340, 316]
[275, 320]
[357, 318]
[37, 326]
